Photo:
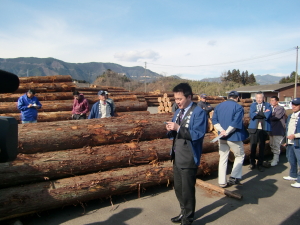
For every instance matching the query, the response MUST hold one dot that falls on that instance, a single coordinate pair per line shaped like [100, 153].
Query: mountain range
[260, 79]
[32, 66]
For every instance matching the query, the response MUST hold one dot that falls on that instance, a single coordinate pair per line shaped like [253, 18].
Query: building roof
[262, 88]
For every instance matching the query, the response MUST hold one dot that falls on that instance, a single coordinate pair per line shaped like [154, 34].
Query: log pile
[56, 96]
[66, 162]
[61, 163]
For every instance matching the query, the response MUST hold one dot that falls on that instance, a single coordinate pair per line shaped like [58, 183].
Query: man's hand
[268, 110]
[223, 132]
[291, 137]
[172, 126]
[29, 106]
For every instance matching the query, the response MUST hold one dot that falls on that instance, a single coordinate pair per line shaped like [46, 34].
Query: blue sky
[194, 38]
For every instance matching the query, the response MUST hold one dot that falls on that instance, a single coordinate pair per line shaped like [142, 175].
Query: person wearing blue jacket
[260, 114]
[228, 120]
[293, 143]
[102, 108]
[28, 105]
[187, 130]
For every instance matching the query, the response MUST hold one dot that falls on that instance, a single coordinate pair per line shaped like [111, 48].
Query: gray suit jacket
[278, 120]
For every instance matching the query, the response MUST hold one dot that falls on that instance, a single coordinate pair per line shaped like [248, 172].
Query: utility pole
[145, 76]
[296, 74]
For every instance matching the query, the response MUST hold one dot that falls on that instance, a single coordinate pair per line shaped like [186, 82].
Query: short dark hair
[233, 96]
[276, 98]
[32, 91]
[185, 88]
[76, 93]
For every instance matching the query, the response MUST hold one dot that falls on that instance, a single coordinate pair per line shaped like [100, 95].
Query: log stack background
[67, 162]
[56, 96]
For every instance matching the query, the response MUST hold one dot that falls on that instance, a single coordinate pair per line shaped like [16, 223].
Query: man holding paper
[228, 120]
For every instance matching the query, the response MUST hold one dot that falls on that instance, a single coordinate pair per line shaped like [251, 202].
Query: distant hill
[215, 79]
[267, 79]
[79, 71]
[260, 79]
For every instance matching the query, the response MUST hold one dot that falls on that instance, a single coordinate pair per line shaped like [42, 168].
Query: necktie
[180, 116]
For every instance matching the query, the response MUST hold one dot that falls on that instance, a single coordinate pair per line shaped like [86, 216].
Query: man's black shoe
[260, 168]
[177, 219]
[186, 223]
[234, 181]
[251, 167]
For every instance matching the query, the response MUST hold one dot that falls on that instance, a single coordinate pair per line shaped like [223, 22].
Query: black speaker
[8, 138]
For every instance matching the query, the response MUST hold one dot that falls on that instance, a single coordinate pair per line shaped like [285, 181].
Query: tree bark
[55, 106]
[29, 168]
[45, 116]
[46, 87]
[132, 113]
[131, 106]
[46, 79]
[40, 96]
[53, 136]
[17, 201]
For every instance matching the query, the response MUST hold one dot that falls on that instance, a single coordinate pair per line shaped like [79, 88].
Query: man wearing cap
[293, 143]
[102, 108]
[187, 130]
[260, 113]
[203, 104]
[28, 105]
[228, 120]
[110, 101]
[277, 132]
[80, 106]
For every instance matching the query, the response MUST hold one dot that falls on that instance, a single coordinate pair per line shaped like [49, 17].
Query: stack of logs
[167, 100]
[56, 96]
[68, 162]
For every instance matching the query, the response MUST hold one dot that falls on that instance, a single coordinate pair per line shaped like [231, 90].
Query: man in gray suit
[277, 132]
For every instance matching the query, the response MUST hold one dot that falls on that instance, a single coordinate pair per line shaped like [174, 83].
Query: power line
[242, 60]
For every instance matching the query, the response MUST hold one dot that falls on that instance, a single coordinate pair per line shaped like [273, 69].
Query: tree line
[239, 77]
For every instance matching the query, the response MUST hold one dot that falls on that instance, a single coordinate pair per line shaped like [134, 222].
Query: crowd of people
[29, 104]
[188, 127]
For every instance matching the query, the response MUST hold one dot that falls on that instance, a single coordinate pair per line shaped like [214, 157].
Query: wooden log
[220, 190]
[29, 168]
[41, 96]
[246, 100]
[31, 198]
[216, 98]
[214, 101]
[55, 106]
[131, 106]
[45, 116]
[153, 104]
[53, 136]
[46, 79]
[46, 87]
[67, 105]
[132, 113]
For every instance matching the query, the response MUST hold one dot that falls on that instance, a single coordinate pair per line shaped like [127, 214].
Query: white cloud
[134, 56]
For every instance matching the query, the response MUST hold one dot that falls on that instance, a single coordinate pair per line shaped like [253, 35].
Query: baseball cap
[296, 101]
[203, 95]
[233, 93]
[101, 92]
